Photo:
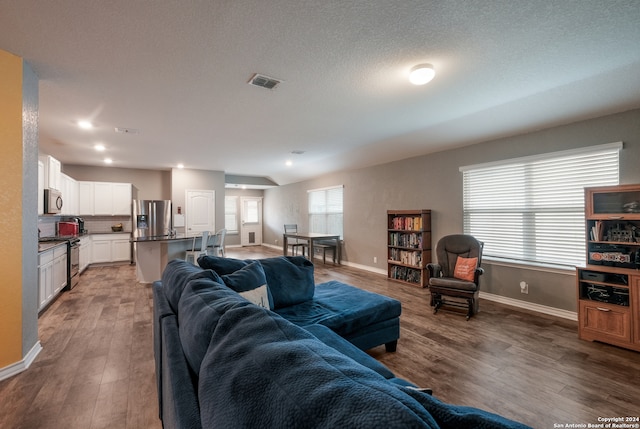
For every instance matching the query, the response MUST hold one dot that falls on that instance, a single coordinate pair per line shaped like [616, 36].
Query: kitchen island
[153, 253]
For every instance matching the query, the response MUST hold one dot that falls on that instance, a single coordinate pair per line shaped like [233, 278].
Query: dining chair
[217, 244]
[193, 254]
[295, 243]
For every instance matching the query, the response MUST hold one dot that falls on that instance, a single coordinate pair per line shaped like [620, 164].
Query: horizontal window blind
[326, 210]
[231, 214]
[532, 209]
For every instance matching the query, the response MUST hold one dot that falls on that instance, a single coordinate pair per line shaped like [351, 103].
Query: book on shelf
[596, 231]
[410, 223]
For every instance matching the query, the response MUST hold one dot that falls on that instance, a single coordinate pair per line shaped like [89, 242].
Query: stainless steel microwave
[52, 201]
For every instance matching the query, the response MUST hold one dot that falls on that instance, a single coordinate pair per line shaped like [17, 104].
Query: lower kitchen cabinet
[52, 274]
[110, 248]
[85, 253]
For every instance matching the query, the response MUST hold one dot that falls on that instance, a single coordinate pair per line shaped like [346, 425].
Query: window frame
[235, 213]
[332, 220]
[528, 233]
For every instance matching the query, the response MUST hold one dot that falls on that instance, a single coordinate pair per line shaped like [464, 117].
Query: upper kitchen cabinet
[70, 195]
[105, 199]
[52, 172]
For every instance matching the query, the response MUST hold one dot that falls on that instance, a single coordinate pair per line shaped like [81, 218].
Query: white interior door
[200, 212]
[251, 221]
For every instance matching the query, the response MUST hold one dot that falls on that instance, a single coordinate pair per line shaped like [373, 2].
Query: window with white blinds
[531, 209]
[231, 214]
[326, 210]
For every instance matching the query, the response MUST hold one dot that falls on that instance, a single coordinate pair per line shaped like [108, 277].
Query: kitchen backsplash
[100, 224]
[93, 224]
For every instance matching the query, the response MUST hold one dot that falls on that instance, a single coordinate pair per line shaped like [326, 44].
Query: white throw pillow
[258, 296]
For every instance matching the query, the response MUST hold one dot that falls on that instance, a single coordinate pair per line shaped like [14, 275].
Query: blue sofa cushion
[220, 265]
[249, 278]
[290, 278]
[177, 274]
[334, 340]
[262, 371]
[201, 305]
[343, 308]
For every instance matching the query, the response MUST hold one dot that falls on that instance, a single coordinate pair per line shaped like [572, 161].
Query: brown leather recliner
[461, 283]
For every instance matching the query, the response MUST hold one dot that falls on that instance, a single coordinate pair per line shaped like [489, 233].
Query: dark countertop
[105, 232]
[48, 245]
[163, 239]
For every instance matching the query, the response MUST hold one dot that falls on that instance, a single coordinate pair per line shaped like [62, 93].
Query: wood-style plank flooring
[96, 368]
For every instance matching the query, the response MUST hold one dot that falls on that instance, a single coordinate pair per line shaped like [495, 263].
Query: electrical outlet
[375, 259]
[276, 241]
[524, 287]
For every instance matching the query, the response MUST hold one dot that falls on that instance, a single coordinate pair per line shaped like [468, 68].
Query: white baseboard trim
[18, 367]
[564, 314]
[366, 268]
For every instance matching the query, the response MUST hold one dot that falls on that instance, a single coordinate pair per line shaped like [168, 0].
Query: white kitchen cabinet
[52, 171]
[122, 199]
[45, 278]
[84, 253]
[100, 249]
[40, 187]
[52, 274]
[70, 194]
[85, 198]
[59, 269]
[121, 249]
[105, 198]
[110, 248]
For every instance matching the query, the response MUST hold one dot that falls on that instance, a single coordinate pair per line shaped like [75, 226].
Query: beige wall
[434, 182]
[19, 244]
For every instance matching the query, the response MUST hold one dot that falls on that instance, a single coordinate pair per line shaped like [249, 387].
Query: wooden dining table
[311, 237]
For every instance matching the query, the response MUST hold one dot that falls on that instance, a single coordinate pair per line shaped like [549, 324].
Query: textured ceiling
[178, 72]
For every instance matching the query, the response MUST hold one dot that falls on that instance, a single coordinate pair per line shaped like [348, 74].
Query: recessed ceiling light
[289, 163]
[85, 125]
[100, 147]
[421, 74]
[180, 165]
[108, 160]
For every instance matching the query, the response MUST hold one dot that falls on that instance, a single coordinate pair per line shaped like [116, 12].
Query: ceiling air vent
[263, 81]
[123, 130]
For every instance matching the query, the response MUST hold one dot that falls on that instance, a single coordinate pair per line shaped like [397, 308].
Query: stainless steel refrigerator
[151, 218]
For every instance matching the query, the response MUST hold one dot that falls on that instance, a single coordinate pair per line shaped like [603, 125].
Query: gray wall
[234, 239]
[29, 209]
[183, 179]
[434, 182]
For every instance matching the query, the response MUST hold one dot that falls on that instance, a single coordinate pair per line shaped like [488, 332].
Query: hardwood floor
[96, 368]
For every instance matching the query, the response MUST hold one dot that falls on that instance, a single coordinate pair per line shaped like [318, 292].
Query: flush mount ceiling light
[421, 74]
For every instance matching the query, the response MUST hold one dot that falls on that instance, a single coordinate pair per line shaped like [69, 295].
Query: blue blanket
[262, 371]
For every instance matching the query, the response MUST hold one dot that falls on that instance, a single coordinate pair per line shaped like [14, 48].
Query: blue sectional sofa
[225, 357]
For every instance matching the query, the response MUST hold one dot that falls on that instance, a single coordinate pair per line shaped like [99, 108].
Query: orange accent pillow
[465, 269]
